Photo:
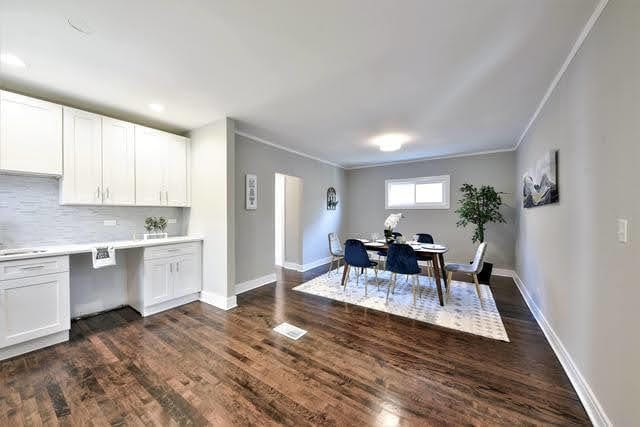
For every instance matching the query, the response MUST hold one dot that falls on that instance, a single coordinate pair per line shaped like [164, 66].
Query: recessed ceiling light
[12, 60]
[158, 108]
[390, 141]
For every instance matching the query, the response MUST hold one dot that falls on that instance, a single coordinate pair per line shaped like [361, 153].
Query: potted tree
[480, 206]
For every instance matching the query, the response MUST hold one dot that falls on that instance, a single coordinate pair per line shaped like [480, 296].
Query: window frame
[445, 180]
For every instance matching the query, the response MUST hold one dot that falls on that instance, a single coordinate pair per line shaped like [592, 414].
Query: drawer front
[171, 250]
[33, 267]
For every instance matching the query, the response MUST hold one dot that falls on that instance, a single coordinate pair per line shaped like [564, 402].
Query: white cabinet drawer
[171, 250]
[33, 267]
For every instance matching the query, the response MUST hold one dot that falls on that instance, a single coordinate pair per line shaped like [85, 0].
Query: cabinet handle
[166, 196]
[171, 268]
[108, 195]
[177, 267]
[98, 192]
[160, 196]
[32, 267]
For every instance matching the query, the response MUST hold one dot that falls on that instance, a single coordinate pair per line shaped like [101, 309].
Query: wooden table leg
[444, 273]
[345, 270]
[436, 273]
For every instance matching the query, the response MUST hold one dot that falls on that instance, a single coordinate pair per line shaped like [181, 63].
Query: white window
[431, 192]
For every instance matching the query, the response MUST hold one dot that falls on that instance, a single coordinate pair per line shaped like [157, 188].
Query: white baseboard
[255, 283]
[225, 303]
[585, 393]
[503, 272]
[186, 299]
[34, 344]
[308, 266]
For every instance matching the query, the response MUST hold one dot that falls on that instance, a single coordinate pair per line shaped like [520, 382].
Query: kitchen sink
[8, 252]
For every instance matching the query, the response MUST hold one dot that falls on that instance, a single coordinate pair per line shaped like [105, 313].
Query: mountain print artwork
[540, 185]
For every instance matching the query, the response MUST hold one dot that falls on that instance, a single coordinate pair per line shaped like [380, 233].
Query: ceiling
[319, 77]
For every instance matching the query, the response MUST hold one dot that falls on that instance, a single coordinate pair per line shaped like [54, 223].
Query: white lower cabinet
[34, 304]
[164, 277]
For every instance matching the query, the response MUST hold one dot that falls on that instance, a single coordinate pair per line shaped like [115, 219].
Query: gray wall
[255, 230]
[366, 205]
[568, 257]
[30, 215]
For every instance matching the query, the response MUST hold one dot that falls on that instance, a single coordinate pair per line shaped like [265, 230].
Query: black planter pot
[485, 274]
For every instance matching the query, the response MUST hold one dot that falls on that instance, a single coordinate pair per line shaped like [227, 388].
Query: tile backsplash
[30, 215]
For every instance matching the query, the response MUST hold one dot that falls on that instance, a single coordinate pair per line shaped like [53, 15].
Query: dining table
[424, 252]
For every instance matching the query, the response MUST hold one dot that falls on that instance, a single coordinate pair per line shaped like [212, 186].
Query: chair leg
[475, 279]
[395, 279]
[377, 281]
[389, 286]
[448, 285]
[413, 287]
[366, 281]
[331, 266]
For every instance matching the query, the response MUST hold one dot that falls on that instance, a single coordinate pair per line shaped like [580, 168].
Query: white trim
[585, 393]
[219, 301]
[34, 344]
[306, 267]
[255, 283]
[157, 308]
[426, 159]
[574, 50]
[504, 272]
[445, 180]
[280, 147]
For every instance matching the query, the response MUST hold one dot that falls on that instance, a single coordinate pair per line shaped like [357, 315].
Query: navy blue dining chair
[402, 259]
[426, 238]
[355, 255]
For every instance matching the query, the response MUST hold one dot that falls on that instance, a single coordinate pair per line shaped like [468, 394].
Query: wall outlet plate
[623, 230]
[172, 221]
[110, 222]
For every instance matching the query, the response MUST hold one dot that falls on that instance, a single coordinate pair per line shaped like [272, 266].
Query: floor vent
[289, 331]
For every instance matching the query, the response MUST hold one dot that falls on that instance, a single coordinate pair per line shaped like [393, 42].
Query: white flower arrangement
[392, 221]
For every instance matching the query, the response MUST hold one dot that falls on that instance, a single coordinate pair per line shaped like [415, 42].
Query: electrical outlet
[623, 230]
[110, 222]
[172, 221]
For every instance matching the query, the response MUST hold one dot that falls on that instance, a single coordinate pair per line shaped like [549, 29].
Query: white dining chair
[471, 269]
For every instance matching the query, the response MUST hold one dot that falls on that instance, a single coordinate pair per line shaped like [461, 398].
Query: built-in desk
[41, 291]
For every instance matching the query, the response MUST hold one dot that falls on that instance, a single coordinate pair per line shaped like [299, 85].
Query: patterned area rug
[462, 312]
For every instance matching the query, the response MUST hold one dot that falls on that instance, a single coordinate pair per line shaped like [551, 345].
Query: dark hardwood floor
[200, 365]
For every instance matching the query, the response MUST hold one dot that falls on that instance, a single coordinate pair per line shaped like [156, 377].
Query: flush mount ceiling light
[390, 141]
[158, 108]
[12, 60]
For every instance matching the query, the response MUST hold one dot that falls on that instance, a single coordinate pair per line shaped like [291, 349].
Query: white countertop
[87, 247]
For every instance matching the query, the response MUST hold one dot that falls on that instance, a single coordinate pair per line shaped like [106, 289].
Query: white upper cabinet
[176, 177]
[30, 135]
[161, 168]
[151, 158]
[118, 162]
[82, 179]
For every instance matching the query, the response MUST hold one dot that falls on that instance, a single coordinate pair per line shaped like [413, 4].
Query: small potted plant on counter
[480, 206]
[155, 227]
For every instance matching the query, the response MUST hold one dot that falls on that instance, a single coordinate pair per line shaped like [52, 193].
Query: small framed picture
[251, 182]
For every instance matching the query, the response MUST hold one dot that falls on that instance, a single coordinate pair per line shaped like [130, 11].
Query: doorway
[288, 208]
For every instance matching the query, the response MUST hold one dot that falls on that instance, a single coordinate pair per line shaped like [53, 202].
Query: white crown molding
[280, 147]
[588, 398]
[255, 283]
[554, 83]
[425, 159]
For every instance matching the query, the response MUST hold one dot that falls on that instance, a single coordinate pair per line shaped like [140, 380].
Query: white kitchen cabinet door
[118, 162]
[187, 277]
[30, 135]
[151, 162]
[81, 182]
[176, 177]
[33, 307]
[158, 283]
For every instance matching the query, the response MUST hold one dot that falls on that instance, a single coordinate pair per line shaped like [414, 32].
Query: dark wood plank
[200, 365]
